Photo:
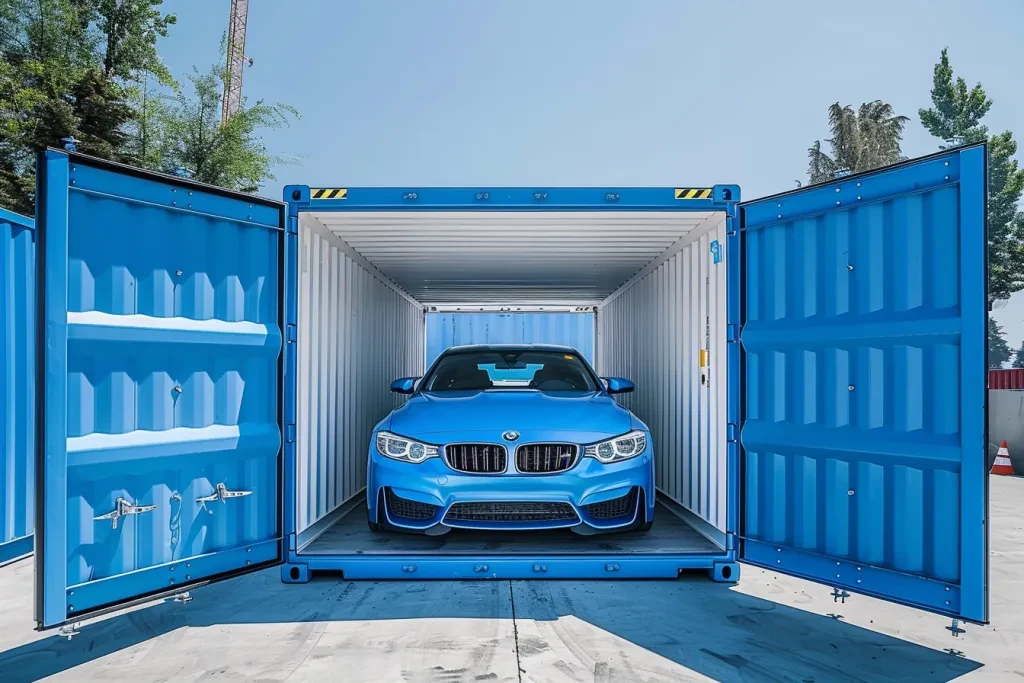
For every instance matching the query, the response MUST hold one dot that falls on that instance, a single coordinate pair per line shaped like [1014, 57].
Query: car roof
[555, 348]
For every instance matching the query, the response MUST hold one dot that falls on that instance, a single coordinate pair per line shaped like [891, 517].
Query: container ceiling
[513, 257]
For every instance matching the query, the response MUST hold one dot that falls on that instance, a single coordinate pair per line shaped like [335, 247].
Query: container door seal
[864, 367]
[159, 312]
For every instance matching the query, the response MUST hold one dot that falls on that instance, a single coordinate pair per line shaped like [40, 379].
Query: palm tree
[861, 140]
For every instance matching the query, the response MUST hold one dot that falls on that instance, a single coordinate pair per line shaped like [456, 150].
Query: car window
[510, 369]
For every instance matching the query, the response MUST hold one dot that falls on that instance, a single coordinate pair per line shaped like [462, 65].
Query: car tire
[644, 527]
[374, 527]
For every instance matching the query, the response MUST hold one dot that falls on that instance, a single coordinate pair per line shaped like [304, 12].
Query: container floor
[670, 535]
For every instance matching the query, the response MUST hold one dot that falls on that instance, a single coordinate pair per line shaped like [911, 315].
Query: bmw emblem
[510, 435]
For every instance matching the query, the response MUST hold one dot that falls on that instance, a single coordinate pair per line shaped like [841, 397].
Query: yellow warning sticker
[568, 357]
[693, 193]
[329, 193]
[703, 357]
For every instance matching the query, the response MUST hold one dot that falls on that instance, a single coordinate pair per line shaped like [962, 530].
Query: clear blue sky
[595, 92]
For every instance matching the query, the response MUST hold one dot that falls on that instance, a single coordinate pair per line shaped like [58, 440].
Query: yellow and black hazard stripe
[693, 193]
[330, 193]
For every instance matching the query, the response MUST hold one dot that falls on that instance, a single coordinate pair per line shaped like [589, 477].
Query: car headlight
[620, 448]
[400, 448]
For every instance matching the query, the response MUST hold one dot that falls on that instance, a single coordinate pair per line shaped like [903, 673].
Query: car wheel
[374, 527]
[645, 527]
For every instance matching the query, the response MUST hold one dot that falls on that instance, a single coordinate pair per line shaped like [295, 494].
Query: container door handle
[122, 508]
[222, 494]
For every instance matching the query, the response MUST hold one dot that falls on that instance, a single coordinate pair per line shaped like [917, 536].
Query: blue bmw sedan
[510, 438]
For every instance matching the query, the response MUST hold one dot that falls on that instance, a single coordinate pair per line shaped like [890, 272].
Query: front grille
[477, 458]
[545, 458]
[616, 507]
[510, 512]
[408, 509]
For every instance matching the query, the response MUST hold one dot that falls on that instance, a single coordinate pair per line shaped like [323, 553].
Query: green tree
[957, 111]
[67, 68]
[1018, 358]
[231, 155]
[998, 350]
[130, 29]
[146, 142]
[862, 139]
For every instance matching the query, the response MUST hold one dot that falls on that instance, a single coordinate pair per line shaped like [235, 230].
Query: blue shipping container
[17, 383]
[829, 393]
[448, 329]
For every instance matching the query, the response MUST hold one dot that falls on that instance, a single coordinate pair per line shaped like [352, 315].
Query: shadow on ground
[705, 627]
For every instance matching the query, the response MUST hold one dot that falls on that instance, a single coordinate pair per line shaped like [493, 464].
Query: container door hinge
[289, 433]
[291, 332]
[293, 225]
[732, 433]
[732, 332]
[731, 542]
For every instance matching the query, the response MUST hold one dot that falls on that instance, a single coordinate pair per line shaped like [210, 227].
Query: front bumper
[590, 497]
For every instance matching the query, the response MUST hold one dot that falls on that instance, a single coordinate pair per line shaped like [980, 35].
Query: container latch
[222, 494]
[122, 508]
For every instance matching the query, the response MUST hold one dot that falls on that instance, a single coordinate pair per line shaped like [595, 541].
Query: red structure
[1006, 379]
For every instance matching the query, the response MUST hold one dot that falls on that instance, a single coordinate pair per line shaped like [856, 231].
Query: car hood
[585, 417]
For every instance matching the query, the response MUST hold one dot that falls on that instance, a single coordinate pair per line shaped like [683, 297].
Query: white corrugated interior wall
[651, 331]
[356, 334]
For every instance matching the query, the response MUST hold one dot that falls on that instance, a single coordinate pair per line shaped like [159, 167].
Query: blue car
[510, 438]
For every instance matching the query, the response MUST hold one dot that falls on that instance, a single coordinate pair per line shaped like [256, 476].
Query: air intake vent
[408, 509]
[476, 458]
[510, 512]
[623, 506]
[545, 458]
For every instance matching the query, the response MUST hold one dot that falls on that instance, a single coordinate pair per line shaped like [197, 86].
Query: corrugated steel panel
[161, 360]
[445, 330]
[1010, 378]
[356, 334]
[652, 332]
[864, 339]
[523, 257]
[17, 383]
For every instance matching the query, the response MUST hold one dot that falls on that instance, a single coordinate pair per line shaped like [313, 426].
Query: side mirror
[405, 385]
[618, 385]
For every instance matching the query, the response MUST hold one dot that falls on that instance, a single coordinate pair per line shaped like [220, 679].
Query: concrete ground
[768, 627]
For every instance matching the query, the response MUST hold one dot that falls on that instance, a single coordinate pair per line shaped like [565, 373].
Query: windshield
[511, 369]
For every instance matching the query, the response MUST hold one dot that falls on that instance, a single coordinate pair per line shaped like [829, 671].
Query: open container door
[159, 445]
[864, 356]
[17, 384]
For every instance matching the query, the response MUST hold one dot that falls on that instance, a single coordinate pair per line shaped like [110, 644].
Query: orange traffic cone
[1002, 465]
